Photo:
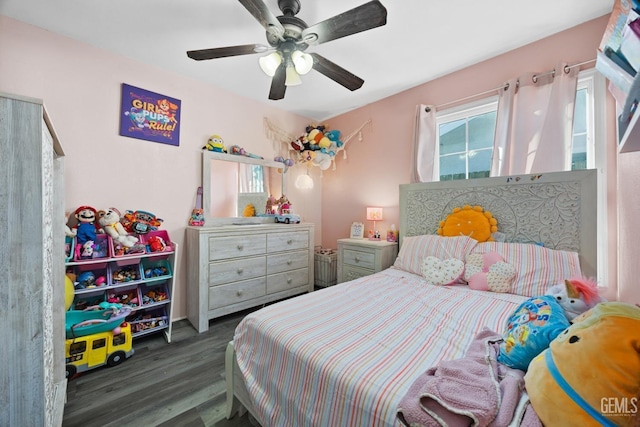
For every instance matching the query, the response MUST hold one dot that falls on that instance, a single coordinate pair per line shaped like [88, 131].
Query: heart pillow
[489, 272]
[442, 272]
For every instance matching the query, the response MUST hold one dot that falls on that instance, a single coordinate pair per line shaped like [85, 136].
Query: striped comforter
[346, 355]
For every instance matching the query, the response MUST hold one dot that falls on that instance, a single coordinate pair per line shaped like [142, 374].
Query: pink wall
[80, 86]
[377, 165]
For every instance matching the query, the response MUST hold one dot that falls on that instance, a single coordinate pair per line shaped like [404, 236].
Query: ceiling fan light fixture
[293, 78]
[270, 63]
[302, 61]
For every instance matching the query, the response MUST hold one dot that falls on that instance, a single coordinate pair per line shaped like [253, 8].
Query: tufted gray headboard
[556, 209]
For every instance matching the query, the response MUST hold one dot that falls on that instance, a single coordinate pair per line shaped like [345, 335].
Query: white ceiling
[422, 40]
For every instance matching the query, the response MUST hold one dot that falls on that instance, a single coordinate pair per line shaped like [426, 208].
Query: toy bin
[156, 268]
[326, 267]
[148, 320]
[124, 271]
[153, 294]
[90, 276]
[127, 296]
[69, 248]
[118, 250]
[88, 299]
[99, 250]
[157, 241]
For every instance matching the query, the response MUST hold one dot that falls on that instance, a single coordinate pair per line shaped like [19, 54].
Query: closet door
[32, 260]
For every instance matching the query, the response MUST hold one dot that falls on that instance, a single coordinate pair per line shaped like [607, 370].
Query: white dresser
[235, 267]
[362, 257]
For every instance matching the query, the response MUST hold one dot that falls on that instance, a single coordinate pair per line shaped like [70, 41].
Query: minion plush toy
[590, 374]
[215, 143]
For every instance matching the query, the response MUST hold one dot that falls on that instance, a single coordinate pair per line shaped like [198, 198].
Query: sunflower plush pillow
[470, 221]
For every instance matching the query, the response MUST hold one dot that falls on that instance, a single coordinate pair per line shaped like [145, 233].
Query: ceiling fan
[289, 37]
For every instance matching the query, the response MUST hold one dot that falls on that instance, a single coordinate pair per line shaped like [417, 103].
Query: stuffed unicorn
[576, 296]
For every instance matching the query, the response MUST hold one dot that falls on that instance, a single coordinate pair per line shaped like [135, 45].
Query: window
[465, 134]
[465, 141]
[465, 144]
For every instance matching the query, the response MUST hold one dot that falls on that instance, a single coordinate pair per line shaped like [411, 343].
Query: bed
[347, 354]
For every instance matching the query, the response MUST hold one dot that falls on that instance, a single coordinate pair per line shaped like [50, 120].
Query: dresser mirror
[230, 182]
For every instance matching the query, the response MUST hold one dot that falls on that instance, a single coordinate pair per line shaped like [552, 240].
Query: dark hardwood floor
[163, 384]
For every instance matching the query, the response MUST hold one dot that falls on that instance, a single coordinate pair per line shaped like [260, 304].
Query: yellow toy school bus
[92, 351]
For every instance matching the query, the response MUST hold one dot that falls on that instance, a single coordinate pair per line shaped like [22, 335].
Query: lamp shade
[302, 61]
[270, 63]
[293, 79]
[304, 182]
[374, 214]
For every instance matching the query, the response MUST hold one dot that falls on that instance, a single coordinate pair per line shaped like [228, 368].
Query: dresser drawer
[352, 273]
[277, 242]
[239, 269]
[236, 246]
[287, 261]
[359, 259]
[232, 293]
[287, 280]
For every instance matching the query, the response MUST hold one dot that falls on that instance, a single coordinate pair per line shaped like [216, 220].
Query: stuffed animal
[215, 143]
[576, 296]
[589, 375]
[532, 326]
[471, 221]
[87, 228]
[489, 272]
[110, 222]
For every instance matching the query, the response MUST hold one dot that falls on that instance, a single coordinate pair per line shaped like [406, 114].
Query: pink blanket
[475, 390]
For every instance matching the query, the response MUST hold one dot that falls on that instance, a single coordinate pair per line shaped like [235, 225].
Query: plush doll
[488, 272]
[87, 228]
[576, 296]
[589, 374]
[215, 143]
[110, 222]
[471, 221]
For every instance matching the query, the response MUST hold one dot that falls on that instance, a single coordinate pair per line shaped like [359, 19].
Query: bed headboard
[556, 209]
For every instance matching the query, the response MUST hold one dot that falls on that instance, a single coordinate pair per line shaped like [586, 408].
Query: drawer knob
[289, 262]
[357, 259]
[240, 247]
[289, 242]
[239, 293]
[289, 280]
[240, 270]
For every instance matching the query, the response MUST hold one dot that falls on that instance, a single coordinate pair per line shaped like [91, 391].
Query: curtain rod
[506, 85]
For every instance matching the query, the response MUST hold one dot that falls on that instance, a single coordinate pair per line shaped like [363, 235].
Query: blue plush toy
[530, 330]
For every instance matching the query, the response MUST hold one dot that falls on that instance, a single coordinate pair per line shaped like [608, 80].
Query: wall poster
[149, 115]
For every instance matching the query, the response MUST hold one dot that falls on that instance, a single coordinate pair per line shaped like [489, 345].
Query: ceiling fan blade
[336, 72]
[263, 15]
[222, 52]
[365, 17]
[277, 83]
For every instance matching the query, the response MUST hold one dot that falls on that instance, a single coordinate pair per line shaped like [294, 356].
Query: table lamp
[374, 214]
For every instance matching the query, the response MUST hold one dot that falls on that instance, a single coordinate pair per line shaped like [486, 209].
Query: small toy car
[287, 218]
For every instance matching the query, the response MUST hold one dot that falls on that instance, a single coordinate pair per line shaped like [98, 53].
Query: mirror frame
[207, 157]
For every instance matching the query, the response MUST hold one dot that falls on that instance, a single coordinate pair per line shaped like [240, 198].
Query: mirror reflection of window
[252, 178]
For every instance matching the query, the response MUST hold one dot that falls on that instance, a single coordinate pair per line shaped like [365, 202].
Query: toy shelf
[144, 282]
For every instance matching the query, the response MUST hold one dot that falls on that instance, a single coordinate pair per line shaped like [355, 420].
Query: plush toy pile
[590, 374]
[317, 146]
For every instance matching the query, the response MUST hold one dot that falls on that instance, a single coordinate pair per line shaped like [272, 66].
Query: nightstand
[362, 257]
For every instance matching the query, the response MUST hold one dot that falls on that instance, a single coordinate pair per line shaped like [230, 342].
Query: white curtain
[534, 123]
[425, 151]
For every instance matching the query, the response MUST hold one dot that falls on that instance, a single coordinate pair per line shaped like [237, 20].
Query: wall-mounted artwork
[149, 115]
